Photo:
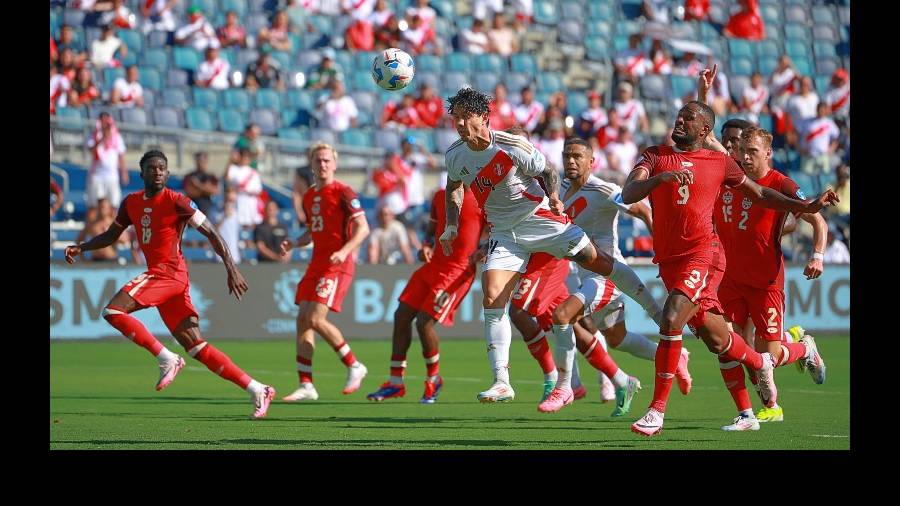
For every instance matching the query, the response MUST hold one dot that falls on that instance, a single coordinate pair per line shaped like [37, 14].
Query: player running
[500, 169]
[431, 296]
[336, 225]
[159, 216]
[683, 182]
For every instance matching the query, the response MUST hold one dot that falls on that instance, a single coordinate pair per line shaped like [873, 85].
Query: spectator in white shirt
[103, 50]
[595, 111]
[474, 40]
[781, 84]
[754, 98]
[128, 92]
[803, 106]
[158, 15]
[689, 65]
[245, 179]
[198, 33]
[836, 252]
[483, 9]
[632, 63]
[59, 89]
[656, 10]
[660, 60]
[621, 155]
[213, 71]
[838, 95]
[389, 243]
[529, 111]
[108, 169]
[338, 111]
[228, 225]
[426, 13]
[818, 142]
[631, 112]
[380, 14]
[503, 39]
[552, 143]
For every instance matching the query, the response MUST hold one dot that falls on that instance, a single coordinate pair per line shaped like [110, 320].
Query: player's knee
[492, 300]
[404, 313]
[424, 323]
[669, 320]
[560, 316]
[317, 322]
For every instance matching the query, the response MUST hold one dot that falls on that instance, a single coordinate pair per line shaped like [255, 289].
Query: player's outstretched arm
[638, 185]
[774, 199]
[815, 267]
[107, 238]
[642, 211]
[360, 232]
[454, 196]
[236, 283]
[551, 181]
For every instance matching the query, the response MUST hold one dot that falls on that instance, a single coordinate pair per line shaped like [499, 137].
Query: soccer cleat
[387, 390]
[306, 392]
[355, 376]
[168, 371]
[432, 390]
[682, 374]
[624, 396]
[742, 422]
[558, 399]
[261, 401]
[814, 362]
[775, 414]
[766, 380]
[607, 389]
[651, 423]
[548, 387]
[579, 392]
[499, 392]
[797, 334]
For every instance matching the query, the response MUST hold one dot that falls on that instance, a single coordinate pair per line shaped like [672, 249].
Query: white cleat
[607, 389]
[742, 422]
[306, 392]
[651, 423]
[499, 392]
[766, 380]
[355, 376]
[168, 370]
[814, 363]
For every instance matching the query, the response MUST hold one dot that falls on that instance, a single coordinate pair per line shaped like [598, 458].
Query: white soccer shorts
[510, 250]
[601, 298]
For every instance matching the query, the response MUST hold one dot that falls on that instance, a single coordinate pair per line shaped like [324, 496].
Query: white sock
[639, 346]
[631, 285]
[254, 387]
[576, 377]
[165, 356]
[396, 380]
[498, 336]
[564, 354]
[602, 340]
[747, 412]
[620, 379]
[551, 376]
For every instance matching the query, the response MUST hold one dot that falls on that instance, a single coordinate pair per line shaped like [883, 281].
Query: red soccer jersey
[430, 111]
[471, 222]
[329, 211]
[159, 222]
[751, 234]
[683, 215]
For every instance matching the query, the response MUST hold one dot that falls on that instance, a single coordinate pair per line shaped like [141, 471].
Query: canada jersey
[471, 222]
[159, 223]
[329, 212]
[751, 234]
[501, 177]
[595, 208]
[682, 215]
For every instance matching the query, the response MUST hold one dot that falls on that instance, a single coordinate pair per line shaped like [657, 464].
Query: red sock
[432, 363]
[733, 374]
[540, 350]
[133, 329]
[600, 359]
[791, 352]
[304, 369]
[345, 353]
[219, 363]
[738, 351]
[667, 355]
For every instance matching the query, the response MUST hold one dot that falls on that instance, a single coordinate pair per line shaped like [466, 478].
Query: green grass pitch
[102, 397]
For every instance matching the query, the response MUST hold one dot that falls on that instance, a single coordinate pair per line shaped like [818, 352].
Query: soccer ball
[393, 69]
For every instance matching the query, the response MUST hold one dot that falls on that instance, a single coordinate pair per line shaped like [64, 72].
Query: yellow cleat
[775, 414]
[797, 333]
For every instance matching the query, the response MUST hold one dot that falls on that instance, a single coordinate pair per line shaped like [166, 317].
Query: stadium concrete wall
[79, 293]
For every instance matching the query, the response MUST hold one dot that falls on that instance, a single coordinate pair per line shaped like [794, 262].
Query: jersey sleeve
[734, 176]
[452, 169]
[187, 210]
[350, 202]
[532, 163]
[615, 199]
[790, 188]
[647, 161]
[122, 217]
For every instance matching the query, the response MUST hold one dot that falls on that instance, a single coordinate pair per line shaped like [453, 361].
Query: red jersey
[329, 211]
[430, 111]
[471, 223]
[751, 234]
[683, 215]
[159, 223]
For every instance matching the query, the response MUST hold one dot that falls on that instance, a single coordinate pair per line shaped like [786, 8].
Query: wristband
[818, 256]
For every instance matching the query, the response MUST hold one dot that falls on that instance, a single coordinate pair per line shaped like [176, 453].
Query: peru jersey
[329, 211]
[471, 221]
[683, 215]
[595, 208]
[501, 177]
[751, 234]
[159, 222]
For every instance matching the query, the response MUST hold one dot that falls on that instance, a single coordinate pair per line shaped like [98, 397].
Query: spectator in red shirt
[429, 106]
[83, 91]
[68, 66]
[696, 10]
[391, 180]
[746, 24]
[404, 114]
[232, 34]
[502, 115]
[360, 36]
[388, 34]
[610, 132]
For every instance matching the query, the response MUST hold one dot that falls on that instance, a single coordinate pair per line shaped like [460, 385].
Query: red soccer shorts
[326, 286]
[438, 289]
[697, 277]
[542, 288]
[764, 306]
[171, 297]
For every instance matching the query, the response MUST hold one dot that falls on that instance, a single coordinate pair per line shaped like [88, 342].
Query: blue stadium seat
[207, 7]
[133, 39]
[767, 48]
[255, 22]
[429, 63]
[167, 117]
[130, 59]
[741, 66]
[267, 98]
[444, 8]
[186, 58]
[134, 116]
[515, 81]
[282, 58]
[344, 60]
[822, 14]
[156, 58]
[736, 85]
[796, 31]
[597, 48]
[323, 24]
[158, 39]
[682, 85]
[549, 82]
[765, 121]
[360, 81]
[387, 139]
[177, 78]
[73, 17]
[795, 14]
[485, 81]
[824, 50]
[767, 65]
[601, 11]
[199, 119]
[206, 98]
[570, 32]
[576, 102]
[490, 63]
[236, 98]
[230, 120]
[300, 99]
[175, 97]
[803, 66]
[827, 65]
[424, 137]
[770, 14]
[266, 119]
[245, 57]
[238, 6]
[291, 135]
[444, 137]
[572, 10]
[458, 62]
[620, 43]
[654, 86]
[323, 135]
[356, 137]
[453, 81]
[110, 75]
[631, 9]
[795, 48]
[740, 48]
[825, 33]
[773, 33]
[149, 98]
[95, 111]
[364, 60]
[523, 62]
[546, 13]
[432, 78]
[822, 83]
[149, 79]
[597, 28]
[297, 118]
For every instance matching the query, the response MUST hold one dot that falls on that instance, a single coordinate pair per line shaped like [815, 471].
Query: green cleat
[775, 414]
[625, 395]
[797, 333]
[548, 387]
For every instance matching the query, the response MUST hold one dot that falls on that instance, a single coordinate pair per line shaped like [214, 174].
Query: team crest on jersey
[746, 203]
[315, 208]
[354, 203]
[498, 168]
[145, 221]
[727, 197]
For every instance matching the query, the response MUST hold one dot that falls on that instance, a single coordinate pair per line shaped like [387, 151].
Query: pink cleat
[556, 401]
[682, 374]
[579, 392]
[168, 371]
[261, 401]
[650, 425]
